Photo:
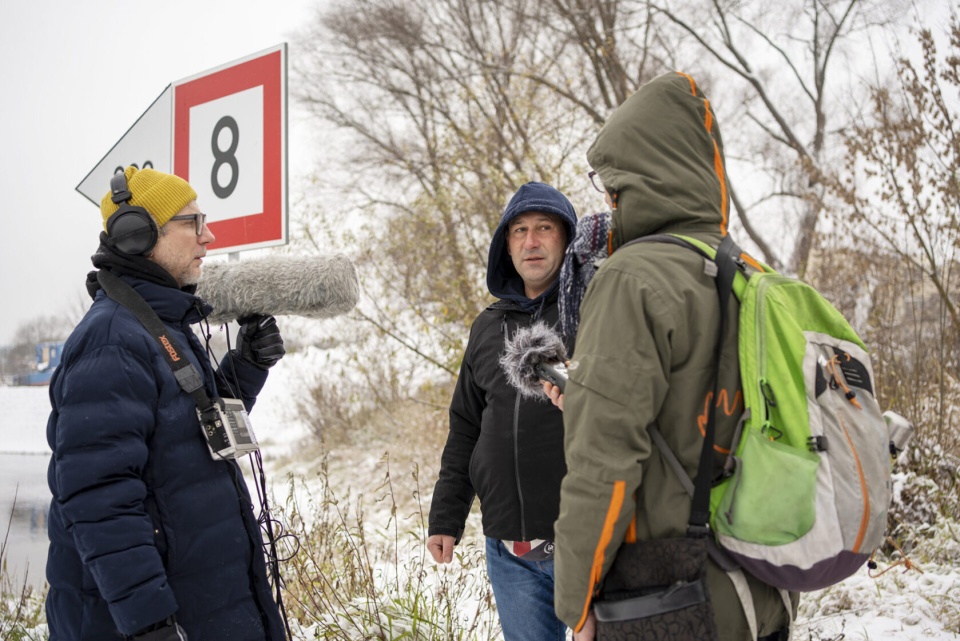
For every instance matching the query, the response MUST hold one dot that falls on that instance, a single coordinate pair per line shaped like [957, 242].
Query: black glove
[259, 341]
[166, 630]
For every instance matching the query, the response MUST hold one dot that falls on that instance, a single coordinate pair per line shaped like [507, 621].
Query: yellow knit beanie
[162, 195]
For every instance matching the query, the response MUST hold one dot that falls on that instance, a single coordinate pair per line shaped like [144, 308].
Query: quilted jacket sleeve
[239, 379]
[109, 400]
[453, 494]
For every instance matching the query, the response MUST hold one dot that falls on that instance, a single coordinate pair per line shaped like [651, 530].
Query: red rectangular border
[266, 70]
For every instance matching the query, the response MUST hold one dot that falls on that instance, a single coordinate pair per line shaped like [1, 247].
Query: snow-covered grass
[922, 602]
[357, 508]
[361, 570]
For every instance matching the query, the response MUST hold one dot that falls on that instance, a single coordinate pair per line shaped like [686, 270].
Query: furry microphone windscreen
[310, 286]
[529, 347]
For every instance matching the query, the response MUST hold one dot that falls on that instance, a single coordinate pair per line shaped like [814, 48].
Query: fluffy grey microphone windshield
[529, 347]
[311, 286]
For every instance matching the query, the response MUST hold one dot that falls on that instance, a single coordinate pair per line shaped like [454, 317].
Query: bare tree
[442, 108]
[782, 76]
[900, 179]
[450, 106]
[613, 48]
[898, 197]
[20, 357]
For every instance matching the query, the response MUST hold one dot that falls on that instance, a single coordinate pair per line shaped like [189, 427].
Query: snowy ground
[906, 605]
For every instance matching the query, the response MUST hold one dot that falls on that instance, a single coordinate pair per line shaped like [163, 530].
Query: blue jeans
[524, 594]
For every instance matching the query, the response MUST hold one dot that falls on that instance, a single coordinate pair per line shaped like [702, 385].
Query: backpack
[804, 495]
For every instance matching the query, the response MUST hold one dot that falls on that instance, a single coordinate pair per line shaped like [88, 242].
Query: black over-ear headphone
[130, 229]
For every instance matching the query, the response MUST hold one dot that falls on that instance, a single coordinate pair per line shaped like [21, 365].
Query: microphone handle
[555, 373]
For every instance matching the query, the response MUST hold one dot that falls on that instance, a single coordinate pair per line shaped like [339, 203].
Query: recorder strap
[186, 374]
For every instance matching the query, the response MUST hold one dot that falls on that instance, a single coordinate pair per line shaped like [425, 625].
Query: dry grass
[22, 615]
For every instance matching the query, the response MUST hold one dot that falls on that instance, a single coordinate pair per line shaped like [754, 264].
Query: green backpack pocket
[769, 499]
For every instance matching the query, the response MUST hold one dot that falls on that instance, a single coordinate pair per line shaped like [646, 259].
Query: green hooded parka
[646, 353]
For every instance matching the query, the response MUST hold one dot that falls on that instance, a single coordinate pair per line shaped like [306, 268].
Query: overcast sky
[74, 77]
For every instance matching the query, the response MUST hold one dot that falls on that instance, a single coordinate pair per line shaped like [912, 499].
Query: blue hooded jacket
[503, 281]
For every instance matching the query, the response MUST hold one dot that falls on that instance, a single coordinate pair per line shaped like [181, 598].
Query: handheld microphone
[534, 353]
[555, 373]
[310, 286]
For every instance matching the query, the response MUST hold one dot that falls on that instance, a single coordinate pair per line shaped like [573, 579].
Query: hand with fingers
[554, 393]
[259, 341]
[441, 547]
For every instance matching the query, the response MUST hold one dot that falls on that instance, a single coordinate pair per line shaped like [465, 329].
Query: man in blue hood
[502, 448]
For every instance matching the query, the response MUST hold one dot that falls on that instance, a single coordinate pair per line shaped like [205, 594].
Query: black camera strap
[726, 258]
[727, 255]
[190, 380]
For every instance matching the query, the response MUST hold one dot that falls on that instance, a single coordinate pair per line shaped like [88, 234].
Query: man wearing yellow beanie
[135, 218]
[163, 195]
[152, 537]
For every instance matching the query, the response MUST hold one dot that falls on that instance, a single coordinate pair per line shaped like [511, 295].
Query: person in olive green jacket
[646, 355]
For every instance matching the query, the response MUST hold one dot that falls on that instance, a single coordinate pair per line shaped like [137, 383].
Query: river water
[24, 499]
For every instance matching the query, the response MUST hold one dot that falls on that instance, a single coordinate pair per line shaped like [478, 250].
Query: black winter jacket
[506, 450]
[502, 448]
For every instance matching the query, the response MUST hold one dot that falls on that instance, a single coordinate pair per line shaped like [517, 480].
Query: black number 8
[225, 157]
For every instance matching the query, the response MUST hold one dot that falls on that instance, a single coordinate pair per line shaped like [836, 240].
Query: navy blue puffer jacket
[143, 522]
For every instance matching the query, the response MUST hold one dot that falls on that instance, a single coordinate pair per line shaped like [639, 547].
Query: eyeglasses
[200, 220]
[596, 182]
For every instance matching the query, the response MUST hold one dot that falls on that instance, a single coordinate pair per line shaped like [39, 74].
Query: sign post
[225, 132]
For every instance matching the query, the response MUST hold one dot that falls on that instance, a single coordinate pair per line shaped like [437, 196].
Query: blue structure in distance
[48, 358]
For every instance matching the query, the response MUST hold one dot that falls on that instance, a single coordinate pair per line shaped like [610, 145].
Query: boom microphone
[529, 349]
[310, 286]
